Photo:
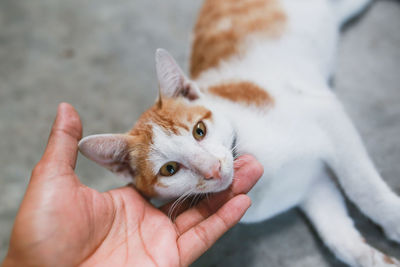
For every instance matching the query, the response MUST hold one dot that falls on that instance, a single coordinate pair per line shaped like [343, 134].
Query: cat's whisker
[234, 150]
[178, 202]
[236, 145]
[196, 199]
[172, 208]
[193, 200]
[207, 197]
[199, 198]
[181, 200]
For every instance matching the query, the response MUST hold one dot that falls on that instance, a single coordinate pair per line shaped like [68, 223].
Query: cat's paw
[386, 261]
[390, 221]
[393, 232]
[391, 228]
[378, 259]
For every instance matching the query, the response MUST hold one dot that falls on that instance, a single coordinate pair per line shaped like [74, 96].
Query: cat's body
[293, 66]
[260, 86]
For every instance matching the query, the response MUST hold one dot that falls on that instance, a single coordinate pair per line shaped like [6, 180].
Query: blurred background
[98, 55]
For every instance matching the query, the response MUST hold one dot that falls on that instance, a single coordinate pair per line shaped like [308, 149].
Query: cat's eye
[169, 168]
[199, 131]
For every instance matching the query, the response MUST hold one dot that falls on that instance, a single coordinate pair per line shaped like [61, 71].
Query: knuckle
[201, 233]
[67, 130]
[40, 168]
[223, 222]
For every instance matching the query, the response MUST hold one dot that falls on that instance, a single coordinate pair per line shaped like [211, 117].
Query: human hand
[62, 222]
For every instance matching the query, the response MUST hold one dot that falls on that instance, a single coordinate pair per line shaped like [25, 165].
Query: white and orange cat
[259, 85]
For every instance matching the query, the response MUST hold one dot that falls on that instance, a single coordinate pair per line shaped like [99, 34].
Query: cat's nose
[214, 172]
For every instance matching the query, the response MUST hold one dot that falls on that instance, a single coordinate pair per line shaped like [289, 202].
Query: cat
[260, 72]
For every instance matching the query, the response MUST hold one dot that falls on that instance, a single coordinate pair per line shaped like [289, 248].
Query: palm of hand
[136, 228]
[63, 222]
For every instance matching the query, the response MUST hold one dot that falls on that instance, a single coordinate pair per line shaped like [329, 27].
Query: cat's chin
[220, 186]
[224, 186]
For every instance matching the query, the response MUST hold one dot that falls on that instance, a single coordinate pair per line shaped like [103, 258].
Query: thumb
[62, 146]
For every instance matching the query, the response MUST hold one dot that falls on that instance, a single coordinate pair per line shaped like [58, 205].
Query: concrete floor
[98, 55]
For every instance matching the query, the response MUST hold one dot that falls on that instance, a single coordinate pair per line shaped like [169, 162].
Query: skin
[62, 222]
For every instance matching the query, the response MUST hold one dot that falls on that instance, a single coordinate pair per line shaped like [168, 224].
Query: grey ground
[98, 55]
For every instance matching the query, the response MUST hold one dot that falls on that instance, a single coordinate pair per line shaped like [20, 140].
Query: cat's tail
[347, 9]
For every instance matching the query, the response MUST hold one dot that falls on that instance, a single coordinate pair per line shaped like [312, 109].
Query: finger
[246, 177]
[62, 146]
[202, 236]
[247, 172]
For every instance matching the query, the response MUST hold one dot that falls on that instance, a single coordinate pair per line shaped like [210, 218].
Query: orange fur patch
[174, 116]
[389, 260]
[222, 26]
[244, 92]
[139, 151]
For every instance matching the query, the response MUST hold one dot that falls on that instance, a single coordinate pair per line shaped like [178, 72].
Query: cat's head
[178, 146]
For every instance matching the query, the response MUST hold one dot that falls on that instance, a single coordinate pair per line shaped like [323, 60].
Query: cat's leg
[357, 175]
[325, 208]
[347, 9]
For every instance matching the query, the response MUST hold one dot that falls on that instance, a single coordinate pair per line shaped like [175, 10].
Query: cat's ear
[171, 79]
[110, 151]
